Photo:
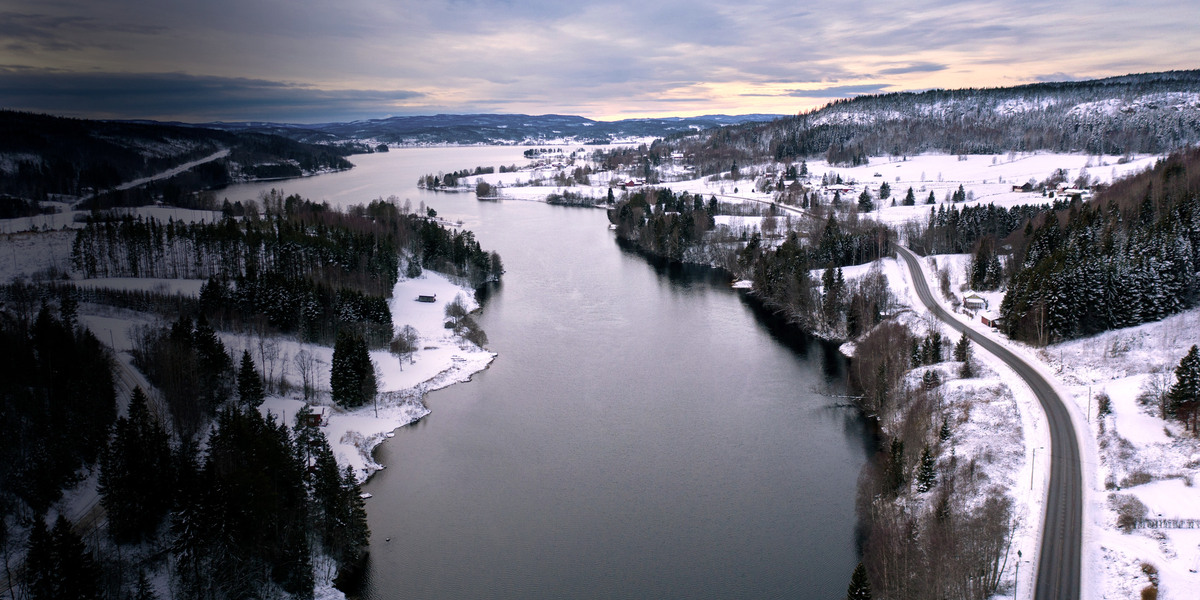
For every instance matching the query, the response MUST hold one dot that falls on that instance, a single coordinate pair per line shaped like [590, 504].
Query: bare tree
[308, 365]
[405, 344]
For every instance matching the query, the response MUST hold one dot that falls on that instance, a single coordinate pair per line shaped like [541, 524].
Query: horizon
[611, 60]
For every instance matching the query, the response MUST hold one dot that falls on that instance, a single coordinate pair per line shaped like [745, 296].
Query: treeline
[933, 525]
[661, 223]
[300, 267]
[1156, 116]
[430, 181]
[12, 207]
[1130, 256]
[957, 231]
[679, 228]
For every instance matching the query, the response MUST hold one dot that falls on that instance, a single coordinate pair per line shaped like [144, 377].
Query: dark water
[644, 433]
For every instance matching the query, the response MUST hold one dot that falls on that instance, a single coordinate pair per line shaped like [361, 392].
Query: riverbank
[442, 359]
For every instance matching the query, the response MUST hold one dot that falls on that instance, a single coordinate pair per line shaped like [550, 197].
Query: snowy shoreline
[442, 360]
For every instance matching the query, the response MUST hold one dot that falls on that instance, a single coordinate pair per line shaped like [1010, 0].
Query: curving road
[1059, 566]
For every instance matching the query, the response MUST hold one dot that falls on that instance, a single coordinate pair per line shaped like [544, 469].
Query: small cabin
[975, 302]
[427, 298]
[990, 319]
[319, 417]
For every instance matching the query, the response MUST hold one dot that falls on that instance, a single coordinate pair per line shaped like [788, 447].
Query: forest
[1129, 256]
[193, 481]
[300, 266]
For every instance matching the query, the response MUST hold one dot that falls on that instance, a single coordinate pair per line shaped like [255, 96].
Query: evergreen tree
[864, 202]
[144, 590]
[910, 198]
[136, 475]
[960, 195]
[58, 565]
[345, 380]
[962, 350]
[1184, 396]
[927, 471]
[931, 379]
[931, 199]
[860, 586]
[944, 433]
[967, 370]
[885, 191]
[250, 385]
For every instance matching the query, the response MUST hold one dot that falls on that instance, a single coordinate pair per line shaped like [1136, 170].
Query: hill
[42, 155]
[1141, 113]
[494, 129]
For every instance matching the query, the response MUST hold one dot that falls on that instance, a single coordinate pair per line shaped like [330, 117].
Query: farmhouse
[975, 302]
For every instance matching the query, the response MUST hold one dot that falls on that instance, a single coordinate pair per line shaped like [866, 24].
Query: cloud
[177, 96]
[603, 57]
[920, 67]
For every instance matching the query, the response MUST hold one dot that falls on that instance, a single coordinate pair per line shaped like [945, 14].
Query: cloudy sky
[337, 60]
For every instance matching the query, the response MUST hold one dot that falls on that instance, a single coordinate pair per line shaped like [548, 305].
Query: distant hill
[42, 155]
[1141, 113]
[493, 129]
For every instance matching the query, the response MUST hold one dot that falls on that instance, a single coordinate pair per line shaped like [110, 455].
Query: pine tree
[137, 474]
[343, 379]
[1184, 396]
[860, 586]
[910, 198]
[927, 471]
[864, 202]
[931, 379]
[944, 432]
[40, 580]
[962, 350]
[58, 565]
[250, 385]
[885, 191]
[932, 199]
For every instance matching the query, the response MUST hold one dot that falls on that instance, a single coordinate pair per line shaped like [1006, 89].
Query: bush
[1129, 509]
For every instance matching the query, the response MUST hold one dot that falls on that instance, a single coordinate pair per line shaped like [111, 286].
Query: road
[1060, 561]
[175, 170]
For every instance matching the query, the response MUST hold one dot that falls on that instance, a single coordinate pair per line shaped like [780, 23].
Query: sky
[326, 60]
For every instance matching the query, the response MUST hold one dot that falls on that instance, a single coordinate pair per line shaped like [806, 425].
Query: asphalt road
[1059, 564]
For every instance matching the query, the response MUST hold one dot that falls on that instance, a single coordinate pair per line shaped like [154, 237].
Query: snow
[1142, 455]
[1137, 453]
[174, 171]
[442, 360]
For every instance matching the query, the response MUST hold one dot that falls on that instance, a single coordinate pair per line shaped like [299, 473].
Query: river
[644, 432]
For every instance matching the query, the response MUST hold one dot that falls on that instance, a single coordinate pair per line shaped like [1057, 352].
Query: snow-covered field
[1140, 454]
[987, 179]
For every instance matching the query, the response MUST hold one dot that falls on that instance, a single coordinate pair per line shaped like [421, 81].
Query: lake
[645, 432]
